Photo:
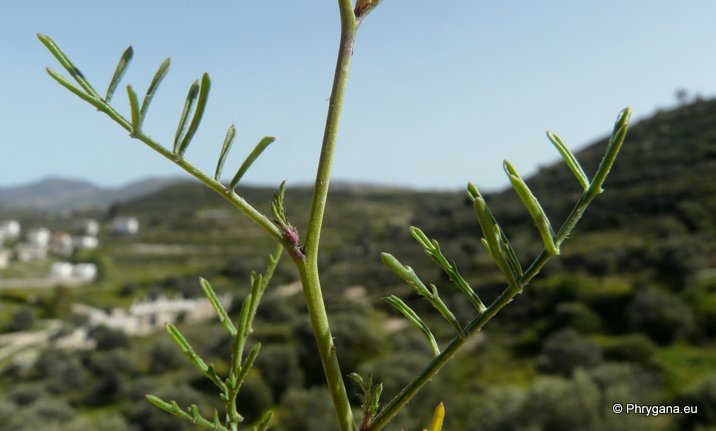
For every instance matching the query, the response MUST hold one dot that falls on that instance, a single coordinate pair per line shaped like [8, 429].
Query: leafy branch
[495, 242]
[189, 121]
[228, 387]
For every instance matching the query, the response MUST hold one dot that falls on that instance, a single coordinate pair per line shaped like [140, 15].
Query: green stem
[326, 348]
[308, 267]
[405, 395]
[330, 136]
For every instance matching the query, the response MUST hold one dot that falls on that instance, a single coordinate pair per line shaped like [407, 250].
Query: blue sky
[439, 94]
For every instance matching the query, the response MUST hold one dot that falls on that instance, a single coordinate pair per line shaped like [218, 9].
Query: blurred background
[101, 242]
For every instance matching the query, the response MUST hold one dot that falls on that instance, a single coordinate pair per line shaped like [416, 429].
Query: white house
[89, 227]
[84, 271]
[85, 242]
[145, 317]
[78, 339]
[66, 271]
[39, 237]
[61, 243]
[125, 226]
[4, 258]
[10, 228]
[61, 271]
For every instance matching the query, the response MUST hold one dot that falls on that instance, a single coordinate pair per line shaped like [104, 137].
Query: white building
[65, 271]
[84, 271]
[39, 237]
[28, 252]
[145, 317]
[10, 228]
[89, 227]
[61, 244]
[61, 271]
[4, 258]
[125, 226]
[78, 339]
[85, 242]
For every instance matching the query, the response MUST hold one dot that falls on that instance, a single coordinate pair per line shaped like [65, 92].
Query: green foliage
[280, 369]
[582, 401]
[255, 398]
[702, 395]
[21, 320]
[59, 304]
[577, 316]
[316, 401]
[566, 351]
[111, 373]
[60, 371]
[636, 348]
[661, 315]
[164, 356]
[369, 397]
[260, 397]
[108, 338]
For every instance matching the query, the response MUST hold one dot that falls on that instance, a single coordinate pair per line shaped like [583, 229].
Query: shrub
[637, 348]
[577, 316]
[703, 396]
[21, 320]
[661, 315]
[280, 368]
[565, 351]
[108, 338]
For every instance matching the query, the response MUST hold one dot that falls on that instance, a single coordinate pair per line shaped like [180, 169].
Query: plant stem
[405, 395]
[308, 267]
[330, 136]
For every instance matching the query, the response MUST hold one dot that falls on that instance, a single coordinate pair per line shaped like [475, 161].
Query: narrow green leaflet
[279, 212]
[615, 144]
[246, 367]
[492, 236]
[445, 311]
[198, 113]
[119, 73]
[264, 421]
[250, 159]
[134, 107]
[185, 347]
[216, 303]
[188, 105]
[406, 273]
[534, 208]
[191, 415]
[158, 77]
[413, 317]
[569, 158]
[76, 91]
[228, 140]
[432, 249]
[237, 350]
[68, 65]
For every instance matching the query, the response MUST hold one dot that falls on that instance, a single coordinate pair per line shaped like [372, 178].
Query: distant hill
[63, 194]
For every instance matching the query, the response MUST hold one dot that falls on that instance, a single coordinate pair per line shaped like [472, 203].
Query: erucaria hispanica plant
[304, 252]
